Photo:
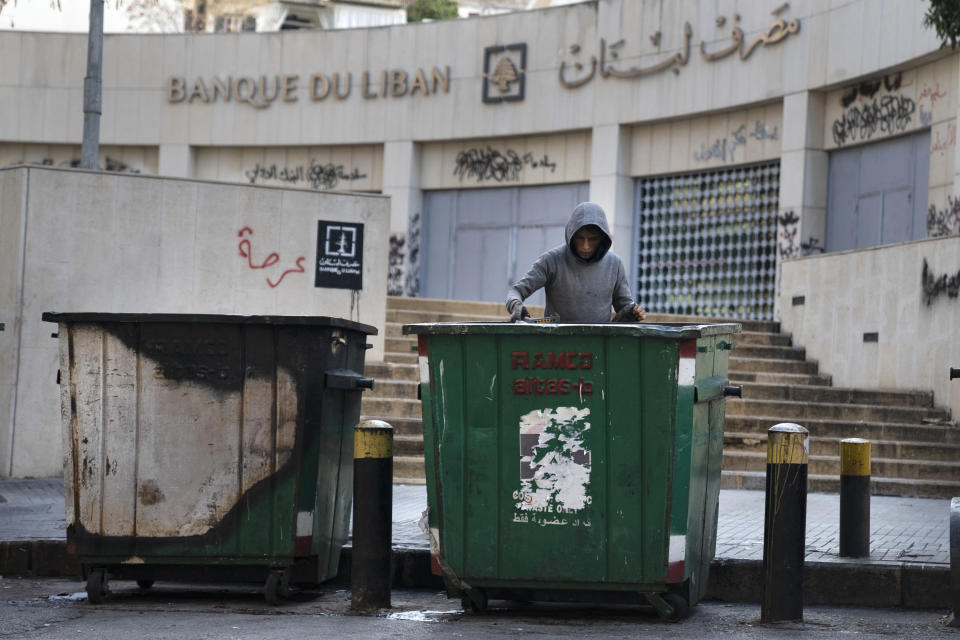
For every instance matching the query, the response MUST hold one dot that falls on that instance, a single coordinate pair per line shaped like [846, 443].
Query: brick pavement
[903, 530]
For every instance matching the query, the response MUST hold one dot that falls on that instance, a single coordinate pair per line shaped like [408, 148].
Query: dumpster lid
[672, 330]
[213, 318]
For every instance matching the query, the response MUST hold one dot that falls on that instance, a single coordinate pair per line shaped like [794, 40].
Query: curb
[915, 586]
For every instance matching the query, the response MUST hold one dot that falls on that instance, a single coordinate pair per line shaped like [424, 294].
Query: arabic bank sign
[339, 255]
[608, 61]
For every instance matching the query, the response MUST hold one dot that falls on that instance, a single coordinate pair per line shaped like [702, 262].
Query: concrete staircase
[915, 446]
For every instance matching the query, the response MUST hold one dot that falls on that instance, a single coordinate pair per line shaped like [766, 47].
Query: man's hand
[518, 312]
[633, 313]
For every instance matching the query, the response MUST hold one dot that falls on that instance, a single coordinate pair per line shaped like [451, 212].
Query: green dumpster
[208, 447]
[574, 462]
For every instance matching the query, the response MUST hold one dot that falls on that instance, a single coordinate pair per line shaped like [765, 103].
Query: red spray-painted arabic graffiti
[245, 250]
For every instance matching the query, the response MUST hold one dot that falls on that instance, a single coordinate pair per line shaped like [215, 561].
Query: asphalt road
[53, 608]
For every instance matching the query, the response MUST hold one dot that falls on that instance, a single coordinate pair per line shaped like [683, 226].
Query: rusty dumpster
[208, 447]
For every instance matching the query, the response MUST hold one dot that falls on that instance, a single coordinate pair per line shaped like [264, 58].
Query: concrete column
[401, 181]
[801, 223]
[175, 160]
[611, 186]
[956, 160]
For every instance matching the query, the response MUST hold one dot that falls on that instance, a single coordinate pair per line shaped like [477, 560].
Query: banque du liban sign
[263, 90]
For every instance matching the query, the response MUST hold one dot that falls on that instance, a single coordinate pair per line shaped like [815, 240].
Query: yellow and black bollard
[371, 575]
[855, 498]
[785, 521]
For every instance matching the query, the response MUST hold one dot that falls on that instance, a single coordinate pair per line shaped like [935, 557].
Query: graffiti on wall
[888, 114]
[412, 281]
[724, 149]
[245, 250]
[608, 62]
[927, 101]
[935, 286]
[788, 242]
[869, 88]
[316, 175]
[873, 106]
[942, 144]
[395, 264]
[403, 272]
[490, 164]
[946, 221]
[109, 164]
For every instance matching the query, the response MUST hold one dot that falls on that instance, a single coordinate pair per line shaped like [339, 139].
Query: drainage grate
[707, 242]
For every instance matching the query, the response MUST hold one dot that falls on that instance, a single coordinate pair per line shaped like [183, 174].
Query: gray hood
[587, 213]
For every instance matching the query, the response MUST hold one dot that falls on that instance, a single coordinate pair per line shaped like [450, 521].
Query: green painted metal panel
[568, 456]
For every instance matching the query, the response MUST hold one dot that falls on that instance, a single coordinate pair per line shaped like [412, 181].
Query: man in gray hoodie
[583, 279]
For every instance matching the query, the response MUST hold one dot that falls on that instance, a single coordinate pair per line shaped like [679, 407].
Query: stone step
[817, 393]
[402, 345]
[389, 408]
[946, 433]
[385, 388]
[742, 350]
[790, 411]
[905, 487]
[741, 377]
[762, 326]
[437, 305]
[931, 470]
[401, 357]
[827, 446]
[406, 316]
[762, 338]
[407, 445]
[392, 371]
[408, 470]
[401, 426]
[767, 365]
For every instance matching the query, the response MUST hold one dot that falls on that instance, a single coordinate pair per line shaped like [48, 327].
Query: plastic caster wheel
[277, 587]
[681, 609]
[97, 586]
[474, 601]
[144, 584]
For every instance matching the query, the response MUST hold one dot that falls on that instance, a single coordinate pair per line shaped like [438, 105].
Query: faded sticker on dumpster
[554, 468]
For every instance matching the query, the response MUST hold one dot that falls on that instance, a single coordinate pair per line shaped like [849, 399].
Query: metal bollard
[371, 575]
[855, 498]
[955, 560]
[785, 523]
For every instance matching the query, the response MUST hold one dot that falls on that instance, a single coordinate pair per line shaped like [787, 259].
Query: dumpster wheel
[277, 586]
[97, 586]
[474, 600]
[671, 607]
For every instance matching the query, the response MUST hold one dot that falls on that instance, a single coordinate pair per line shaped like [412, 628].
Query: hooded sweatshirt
[578, 290]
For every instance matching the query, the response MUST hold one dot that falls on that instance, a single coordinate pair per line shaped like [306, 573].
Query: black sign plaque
[339, 255]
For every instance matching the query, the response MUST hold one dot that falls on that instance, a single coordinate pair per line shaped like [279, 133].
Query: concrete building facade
[726, 141]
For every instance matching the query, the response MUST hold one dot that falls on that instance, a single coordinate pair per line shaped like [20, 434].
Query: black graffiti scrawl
[489, 164]
[935, 286]
[946, 221]
[787, 244]
[889, 114]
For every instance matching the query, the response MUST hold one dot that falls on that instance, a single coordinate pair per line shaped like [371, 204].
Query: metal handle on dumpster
[733, 390]
[346, 379]
[710, 389]
[954, 372]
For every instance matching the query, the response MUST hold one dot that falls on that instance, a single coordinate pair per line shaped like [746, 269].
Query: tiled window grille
[708, 242]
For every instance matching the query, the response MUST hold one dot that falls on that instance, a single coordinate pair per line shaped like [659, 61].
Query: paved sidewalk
[910, 537]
